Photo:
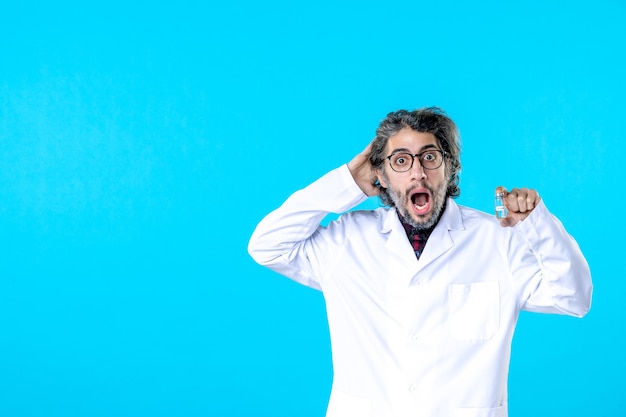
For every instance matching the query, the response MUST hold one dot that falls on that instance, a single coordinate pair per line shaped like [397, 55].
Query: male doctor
[422, 296]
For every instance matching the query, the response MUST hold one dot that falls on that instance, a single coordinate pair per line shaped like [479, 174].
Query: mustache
[407, 194]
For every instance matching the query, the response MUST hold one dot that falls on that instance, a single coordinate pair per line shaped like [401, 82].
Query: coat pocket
[481, 412]
[474, 310]
[342, 404]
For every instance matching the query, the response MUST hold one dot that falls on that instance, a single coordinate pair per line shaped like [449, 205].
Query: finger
[368, 149]
[522, 201]
[512, 201]
[530, 200]
[361, 159]
[527, 200]
[535, 197]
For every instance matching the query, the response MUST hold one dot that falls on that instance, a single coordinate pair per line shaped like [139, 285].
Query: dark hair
[431, 120]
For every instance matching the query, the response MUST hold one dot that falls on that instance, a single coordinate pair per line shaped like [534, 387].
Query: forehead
[411, 140]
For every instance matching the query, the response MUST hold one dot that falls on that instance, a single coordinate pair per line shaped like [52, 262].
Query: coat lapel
[403, 263]
[440, 241]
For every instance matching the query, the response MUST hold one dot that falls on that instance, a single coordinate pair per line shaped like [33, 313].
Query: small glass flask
[501, 211]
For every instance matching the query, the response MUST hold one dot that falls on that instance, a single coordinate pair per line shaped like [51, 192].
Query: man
[422, 297]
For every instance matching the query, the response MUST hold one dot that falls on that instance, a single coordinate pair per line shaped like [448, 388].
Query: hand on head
[362, 172]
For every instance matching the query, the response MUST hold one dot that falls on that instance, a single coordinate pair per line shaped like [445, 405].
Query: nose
[417, 171]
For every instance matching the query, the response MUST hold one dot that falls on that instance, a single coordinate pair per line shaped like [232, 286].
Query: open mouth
[421, 201]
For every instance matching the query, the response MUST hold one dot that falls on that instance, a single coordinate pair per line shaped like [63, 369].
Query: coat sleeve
[560, 276]
[284, 240]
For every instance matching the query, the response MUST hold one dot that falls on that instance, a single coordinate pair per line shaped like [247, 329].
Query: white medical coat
[428, 337]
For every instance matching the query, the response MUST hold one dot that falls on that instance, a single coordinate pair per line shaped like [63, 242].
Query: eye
[401, 160]
[429, 157]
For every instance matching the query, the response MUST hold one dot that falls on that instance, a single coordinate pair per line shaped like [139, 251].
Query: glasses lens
[431, 159]
[401, 162]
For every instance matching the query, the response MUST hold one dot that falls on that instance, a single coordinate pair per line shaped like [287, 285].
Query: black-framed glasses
[429, 159]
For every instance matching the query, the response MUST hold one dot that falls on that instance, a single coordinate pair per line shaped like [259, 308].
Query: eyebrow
[405, 150]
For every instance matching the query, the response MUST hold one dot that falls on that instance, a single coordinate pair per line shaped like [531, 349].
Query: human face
[418, 194]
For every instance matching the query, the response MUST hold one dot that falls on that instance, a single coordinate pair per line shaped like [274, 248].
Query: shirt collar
[412, 231]
[451, 218]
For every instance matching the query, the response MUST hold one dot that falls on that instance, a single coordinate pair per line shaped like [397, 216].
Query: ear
[380, 177]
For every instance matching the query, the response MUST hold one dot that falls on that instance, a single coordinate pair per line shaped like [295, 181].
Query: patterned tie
[418, 243]
[417, 237]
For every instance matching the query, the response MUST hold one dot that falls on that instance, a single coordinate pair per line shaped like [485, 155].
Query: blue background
[141, 142]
